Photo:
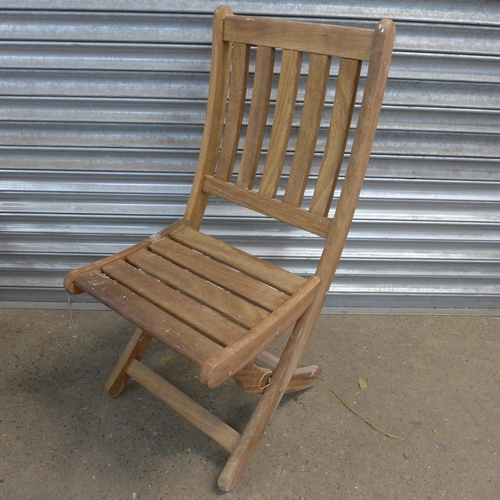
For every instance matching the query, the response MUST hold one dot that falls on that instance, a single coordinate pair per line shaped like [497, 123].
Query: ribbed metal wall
[102, 108]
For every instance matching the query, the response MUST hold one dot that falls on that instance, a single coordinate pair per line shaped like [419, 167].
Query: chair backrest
[304, 48]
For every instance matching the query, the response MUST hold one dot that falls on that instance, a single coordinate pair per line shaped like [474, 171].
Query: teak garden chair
[215, 305]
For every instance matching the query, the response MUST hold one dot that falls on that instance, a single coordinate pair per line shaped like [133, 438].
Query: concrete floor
[432, 380]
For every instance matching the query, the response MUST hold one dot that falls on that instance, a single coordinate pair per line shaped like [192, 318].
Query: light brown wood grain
[212, 324]
[341, 41]
[360, 153]
[176, 335]
[136, 348]
[252, 290]
[254, 379]
[195, 294]
[283, 115]
[343, 107]
[312, 111]
[271, 207]
[272, 396]
[254, 267]
[231, 306]
[214, 121]
[70, 279]
[381, 52]
[219, 431]
[259, 108]
[235, 107]
[238, 354]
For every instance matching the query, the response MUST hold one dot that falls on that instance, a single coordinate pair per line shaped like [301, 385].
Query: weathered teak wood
[220, 432]
[205, 292]
[319, 67]
[212, 324]
[213, 304]
[236, 355]
[214, 122]
[255, 379]
[294, 216]
[372, 100]
[70, 279]
[263, 79]
[340, 41]
[285, 105]
[242, 285]
[343, 107]
[163, 326]
[135, 349]
[235, 108]
[252, 266]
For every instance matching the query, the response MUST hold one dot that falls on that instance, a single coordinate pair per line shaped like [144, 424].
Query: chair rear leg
[135, 349]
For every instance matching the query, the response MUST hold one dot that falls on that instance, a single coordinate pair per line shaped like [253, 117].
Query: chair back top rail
[341, 41]
[239, 118]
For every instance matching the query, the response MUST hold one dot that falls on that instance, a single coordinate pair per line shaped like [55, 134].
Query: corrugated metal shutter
[102, 106]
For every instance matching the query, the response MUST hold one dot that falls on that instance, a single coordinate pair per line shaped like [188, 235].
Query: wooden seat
[218, 306]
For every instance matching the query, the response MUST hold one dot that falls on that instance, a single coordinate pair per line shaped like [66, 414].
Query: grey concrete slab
[434, 381]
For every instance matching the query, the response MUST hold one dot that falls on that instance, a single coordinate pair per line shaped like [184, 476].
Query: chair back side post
[337, 229]
[378, 70]
[214, 121]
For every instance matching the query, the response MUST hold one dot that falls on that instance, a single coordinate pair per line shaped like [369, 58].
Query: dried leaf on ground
[362, 384]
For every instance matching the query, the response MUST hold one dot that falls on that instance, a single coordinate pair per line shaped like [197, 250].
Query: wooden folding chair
[216, 305]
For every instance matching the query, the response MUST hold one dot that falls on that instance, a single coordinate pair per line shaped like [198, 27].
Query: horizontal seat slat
[271, 207]
[207, 293]
[176, 335]
[250, 265]
[210, 323]
[69, 281]
[235, 356]
[234, 281]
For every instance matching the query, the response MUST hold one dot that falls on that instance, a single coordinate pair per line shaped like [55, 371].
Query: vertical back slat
[236, 104]
[319, 68]
[282, 122]
[263, 80]
[345, 97]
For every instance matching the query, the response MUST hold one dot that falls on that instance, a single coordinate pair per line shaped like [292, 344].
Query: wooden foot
[250, 437]
[254, 379]
[135, 349]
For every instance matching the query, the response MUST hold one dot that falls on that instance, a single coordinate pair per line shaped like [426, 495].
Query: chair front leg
[270, 399]
[135, 349]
